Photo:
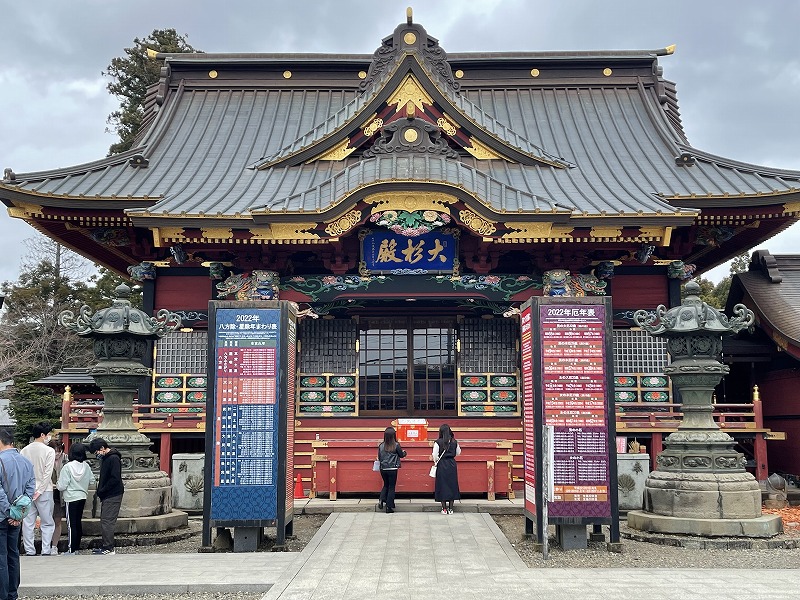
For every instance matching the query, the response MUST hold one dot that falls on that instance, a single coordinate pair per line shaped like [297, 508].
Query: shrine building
[409, 201]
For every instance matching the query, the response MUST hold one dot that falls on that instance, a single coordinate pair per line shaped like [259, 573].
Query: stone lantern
[121, 334]
[700, 485]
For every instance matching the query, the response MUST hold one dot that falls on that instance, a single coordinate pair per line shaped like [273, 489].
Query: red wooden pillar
[165, 453]
[66, 409]
[490, 472]
[333, 480]
[759, 443]
[656, 448]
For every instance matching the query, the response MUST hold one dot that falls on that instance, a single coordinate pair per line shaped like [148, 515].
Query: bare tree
[66, 263]
[31, 341]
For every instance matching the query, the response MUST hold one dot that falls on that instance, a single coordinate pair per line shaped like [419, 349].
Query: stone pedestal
[187, 481]
[632, 472]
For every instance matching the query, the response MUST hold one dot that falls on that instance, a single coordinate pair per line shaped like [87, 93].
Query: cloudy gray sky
[736, 66]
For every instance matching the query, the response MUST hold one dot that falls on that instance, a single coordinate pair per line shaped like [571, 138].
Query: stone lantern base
[146, 494]
[704, 504]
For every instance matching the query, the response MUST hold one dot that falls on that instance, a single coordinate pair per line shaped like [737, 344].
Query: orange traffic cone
[298, 488]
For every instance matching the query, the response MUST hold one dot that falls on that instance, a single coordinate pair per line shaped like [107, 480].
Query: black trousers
[74, 524]
[389, 483]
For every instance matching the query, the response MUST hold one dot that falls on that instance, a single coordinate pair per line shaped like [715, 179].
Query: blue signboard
[389, 252]
[247, 407]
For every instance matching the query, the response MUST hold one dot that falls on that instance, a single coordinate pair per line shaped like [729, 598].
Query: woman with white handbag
[389, 455]
[445, 450]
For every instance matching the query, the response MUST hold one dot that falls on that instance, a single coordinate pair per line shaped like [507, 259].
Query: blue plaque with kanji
[389, 252]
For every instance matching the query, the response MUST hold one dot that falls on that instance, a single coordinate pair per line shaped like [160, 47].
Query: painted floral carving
[314, 286]
[410, 223]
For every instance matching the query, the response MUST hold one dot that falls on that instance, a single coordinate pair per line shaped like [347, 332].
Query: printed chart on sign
[246, 428]
[574, 403]
[528, 417]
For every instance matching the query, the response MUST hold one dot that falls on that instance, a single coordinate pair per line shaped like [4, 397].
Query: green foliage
[717, 295]
[740, 263]
[31, 340]
[707, 294]
[101, 293]
[31, 404]
[132, 74]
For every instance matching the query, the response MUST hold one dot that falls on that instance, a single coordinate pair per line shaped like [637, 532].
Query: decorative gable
[410, 101]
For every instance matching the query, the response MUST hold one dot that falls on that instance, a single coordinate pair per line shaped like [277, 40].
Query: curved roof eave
[146, 144]
[21, 179]
[767, 304]
[740, 165]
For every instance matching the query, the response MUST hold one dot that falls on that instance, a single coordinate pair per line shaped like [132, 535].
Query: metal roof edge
[176, 58]
[108, 161]
[736, 164]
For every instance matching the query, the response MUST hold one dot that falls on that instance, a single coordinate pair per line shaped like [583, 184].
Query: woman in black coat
[445, 450]
[389, 455]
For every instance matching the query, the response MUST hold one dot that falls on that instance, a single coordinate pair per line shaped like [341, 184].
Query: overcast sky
[736, 64]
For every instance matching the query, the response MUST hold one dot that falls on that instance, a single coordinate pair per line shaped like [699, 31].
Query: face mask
[47, 439]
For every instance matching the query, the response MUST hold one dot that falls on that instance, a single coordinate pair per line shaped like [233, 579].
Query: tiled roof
[622, 138]
[771, 288]
[67, 376]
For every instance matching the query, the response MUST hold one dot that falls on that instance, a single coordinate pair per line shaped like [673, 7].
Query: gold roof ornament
[671, 48]
[481, 151]
[410, 90]
[151, 54]
[409, 15]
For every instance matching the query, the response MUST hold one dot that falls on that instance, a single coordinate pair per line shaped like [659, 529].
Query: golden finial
[756, 395]
[409, 15]
[152, 53]
[670, 49]
[67, 394]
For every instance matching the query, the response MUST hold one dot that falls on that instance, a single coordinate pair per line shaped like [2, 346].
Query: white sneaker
[449, 511]
[444, 511]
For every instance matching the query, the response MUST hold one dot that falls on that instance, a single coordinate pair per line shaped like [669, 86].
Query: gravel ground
[636, 554]
[305, 526]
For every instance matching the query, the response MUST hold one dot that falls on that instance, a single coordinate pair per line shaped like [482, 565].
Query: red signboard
[574, 396]
[528, 414]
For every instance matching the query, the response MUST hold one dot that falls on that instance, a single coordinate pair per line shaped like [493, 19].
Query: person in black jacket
[389, 455]
[109, 490]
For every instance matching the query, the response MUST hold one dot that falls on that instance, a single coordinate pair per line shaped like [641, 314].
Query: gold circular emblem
[459, 74]
[287, 74]
[607, 71]
[410, 135]
[362, 74]
[212, 74]
[409, 38]
[534, 72]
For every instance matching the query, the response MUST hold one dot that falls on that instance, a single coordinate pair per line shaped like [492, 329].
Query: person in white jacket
[74, 481]
[43, 458]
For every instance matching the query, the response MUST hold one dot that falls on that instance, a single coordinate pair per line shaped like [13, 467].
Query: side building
[411, 200]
